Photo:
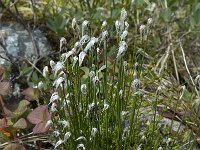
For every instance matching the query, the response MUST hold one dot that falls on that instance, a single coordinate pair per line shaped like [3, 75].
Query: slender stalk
[154, 116]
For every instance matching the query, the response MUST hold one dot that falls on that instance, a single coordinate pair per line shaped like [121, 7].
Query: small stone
[18, 43]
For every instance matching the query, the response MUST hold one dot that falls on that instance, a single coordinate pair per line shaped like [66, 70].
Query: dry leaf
[6, 111]
[5, 88]
[2, 122]
[40, 128]
[39, 116]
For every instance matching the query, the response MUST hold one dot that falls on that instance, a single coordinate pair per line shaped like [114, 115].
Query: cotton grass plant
[97, 92]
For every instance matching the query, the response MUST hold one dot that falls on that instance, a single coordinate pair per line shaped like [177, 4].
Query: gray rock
[18, 43]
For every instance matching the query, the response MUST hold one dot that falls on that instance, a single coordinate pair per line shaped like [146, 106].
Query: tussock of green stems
[101, 94]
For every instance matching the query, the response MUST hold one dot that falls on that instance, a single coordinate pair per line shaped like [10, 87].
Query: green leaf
[50, 24]
[115, 13]
[197, 16]
[35, 77]
[60, 22]
[57, 24]
[96, 15]
[166, 14]
[196, 7]
[139, 2]
[25, 69]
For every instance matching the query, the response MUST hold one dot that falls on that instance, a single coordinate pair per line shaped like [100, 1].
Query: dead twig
[28, 139]
[186, 67]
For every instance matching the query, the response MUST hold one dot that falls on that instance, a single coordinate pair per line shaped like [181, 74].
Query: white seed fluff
[81, 57]
[45, 71]
[94, 132]
[54, 97]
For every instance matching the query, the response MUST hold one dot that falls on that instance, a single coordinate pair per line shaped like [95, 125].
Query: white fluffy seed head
[123, 14]
[92, 74]
[58, 67]
[73, 23]
[94, 132]
[40, 85]
[125, 132]
[45, 71]
[104, 24]
[53, 107]
[152, 7]
[120, 93]
[197, 101]
[77, 44]
[85, 23]
[126, 25]
[91, 106]
[142, 29]
[95, 80]
[56, 133]
[124, 114]
[102, 68]
[64, 123]
[67, 136]
[81, 57]
[104, 35]
[81, 147]
[52, 64]
[125, 64]
[65, 56]
[81, 138]
[90, 44]
[84, 39]
[197, 79]
[122, 48]
[54, 97]
[139, 147]
[105, 106]
[117, 26]
[58, 143]
[75, 59]
[62, 41]
[135, 84]
[160, 148]
[84, 88]
[149, 21]
[80, 109]
[58, 82]
[98, 50]
[49, 123]
[124, 35]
